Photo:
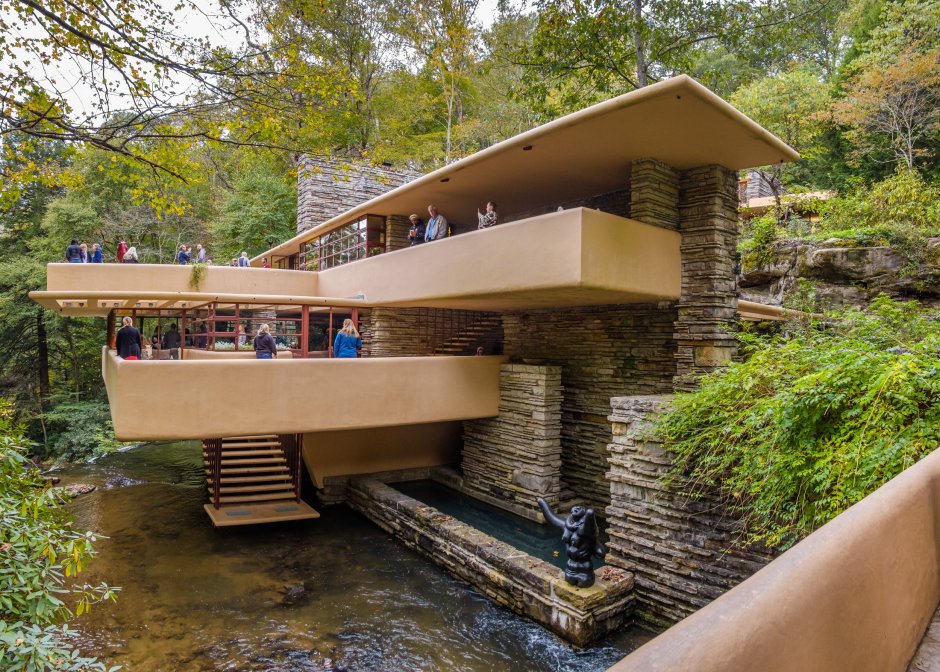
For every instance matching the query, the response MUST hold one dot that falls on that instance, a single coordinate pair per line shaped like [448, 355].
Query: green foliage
[80, 429]
[40, 556]
[758, 248]
[902, 211]
[197, 273]
[813, 420]
[259, 212]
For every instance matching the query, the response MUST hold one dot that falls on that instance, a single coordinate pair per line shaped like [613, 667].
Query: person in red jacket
[121, 251]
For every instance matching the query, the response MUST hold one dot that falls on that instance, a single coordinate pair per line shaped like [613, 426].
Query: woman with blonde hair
[130, 257]
[347, 342]
[265, 348]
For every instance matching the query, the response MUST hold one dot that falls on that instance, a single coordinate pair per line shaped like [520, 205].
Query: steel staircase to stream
[254, 479]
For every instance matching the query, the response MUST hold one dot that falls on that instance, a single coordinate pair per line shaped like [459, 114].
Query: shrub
[40, 554]
[813, 420]
[79, 430]
[901, 211]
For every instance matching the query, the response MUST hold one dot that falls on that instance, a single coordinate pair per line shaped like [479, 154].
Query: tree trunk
[42, 348]
[638, 43]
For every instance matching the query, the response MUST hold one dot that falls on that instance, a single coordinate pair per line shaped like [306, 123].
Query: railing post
[298, 458]
[217, 472]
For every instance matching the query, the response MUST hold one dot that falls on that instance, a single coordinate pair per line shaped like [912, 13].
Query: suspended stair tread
[232, 499]
[269, 478]
[255, 437]
[239, 461]
[235, 489]
[250, 470]
[251, 514]
[247, 453]
[249, 444]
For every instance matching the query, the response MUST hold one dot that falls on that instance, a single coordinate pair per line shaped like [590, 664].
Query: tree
[792, 105]
[259, 212]
[443, 33]
[892, 90]
[899, 104]
[140, 80]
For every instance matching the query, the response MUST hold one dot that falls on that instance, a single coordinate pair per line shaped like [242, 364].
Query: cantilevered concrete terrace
[573, 257]
[230, 396]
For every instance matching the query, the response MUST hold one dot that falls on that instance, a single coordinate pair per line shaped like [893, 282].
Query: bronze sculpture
[580, 536]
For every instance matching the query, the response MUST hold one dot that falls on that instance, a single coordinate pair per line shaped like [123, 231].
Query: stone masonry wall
[515, 458]
[708, 305]
[396, 232]
[654, 194]
[678, 549]
[408, 332]
[328, 187]
[603, 351]
[614, 202]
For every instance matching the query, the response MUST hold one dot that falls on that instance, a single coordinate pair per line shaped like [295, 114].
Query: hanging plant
[197, 273]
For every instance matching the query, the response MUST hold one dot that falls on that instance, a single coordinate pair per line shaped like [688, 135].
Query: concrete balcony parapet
[207, 398]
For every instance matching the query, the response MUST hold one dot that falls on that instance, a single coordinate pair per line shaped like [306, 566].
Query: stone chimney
[327, 187]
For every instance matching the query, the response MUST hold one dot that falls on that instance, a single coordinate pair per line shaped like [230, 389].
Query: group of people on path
[78, 253]
[129, 342]
[437, 226]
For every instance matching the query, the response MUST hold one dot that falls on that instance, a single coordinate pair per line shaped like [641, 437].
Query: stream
[335, 593]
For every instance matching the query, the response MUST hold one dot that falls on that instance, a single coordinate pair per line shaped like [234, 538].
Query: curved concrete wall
[192, 399]
[856, 595]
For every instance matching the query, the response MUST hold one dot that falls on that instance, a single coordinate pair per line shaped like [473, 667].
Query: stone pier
[681, 551]
[513, 459]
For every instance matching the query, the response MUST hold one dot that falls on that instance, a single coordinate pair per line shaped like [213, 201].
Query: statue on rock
[580, 536]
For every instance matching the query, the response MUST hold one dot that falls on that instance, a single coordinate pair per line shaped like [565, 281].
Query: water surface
[335, 593]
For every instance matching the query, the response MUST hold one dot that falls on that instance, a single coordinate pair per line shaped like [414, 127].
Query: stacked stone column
[654, 193]
[396, 232]
[515, 458]
[682, 551]
[708, 304]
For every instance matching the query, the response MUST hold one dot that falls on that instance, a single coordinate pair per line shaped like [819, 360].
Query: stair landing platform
[230, 515]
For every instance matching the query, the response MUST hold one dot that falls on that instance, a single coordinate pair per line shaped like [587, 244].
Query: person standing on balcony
[183, 256]
[85, 258]
[130, 257]
[416, 232]
[347, 343]
[128, 341]
[243, 261]
[265, 347]
[488, 218]
[200, 253]
[264, 263]
[73, 253]
[96, 256]
[171, 342]
[437, 225]
[121, 251]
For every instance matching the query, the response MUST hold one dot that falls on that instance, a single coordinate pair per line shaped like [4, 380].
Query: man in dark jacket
[73, 253]
[171, 342]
